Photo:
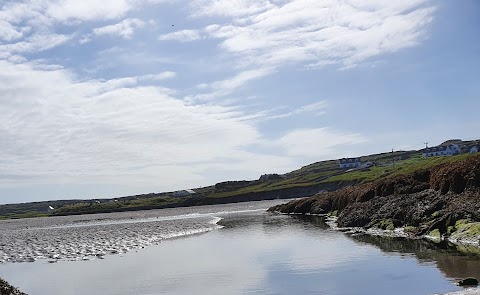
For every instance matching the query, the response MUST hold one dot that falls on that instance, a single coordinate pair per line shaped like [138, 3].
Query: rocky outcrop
[424, 201]
[7, 289]
[468, 282]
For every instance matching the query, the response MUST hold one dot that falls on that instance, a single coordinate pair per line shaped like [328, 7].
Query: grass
[415, 163]
[23, 215]
[307, 176]
[325, 173]
[112, 206]
[469, 230]
[435, 234]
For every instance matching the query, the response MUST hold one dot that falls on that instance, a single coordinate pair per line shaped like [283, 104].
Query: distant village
[441, 150]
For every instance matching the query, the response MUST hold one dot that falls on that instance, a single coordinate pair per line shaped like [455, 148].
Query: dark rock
[468, 282]
[433, 199]
[7, 289]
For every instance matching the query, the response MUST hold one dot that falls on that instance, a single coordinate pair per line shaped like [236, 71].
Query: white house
[474, 149]
[447, 150]
[350, 162]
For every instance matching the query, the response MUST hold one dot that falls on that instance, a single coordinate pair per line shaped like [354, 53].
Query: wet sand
[87, 237]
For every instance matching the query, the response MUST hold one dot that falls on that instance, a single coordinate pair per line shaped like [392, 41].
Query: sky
[120, 97]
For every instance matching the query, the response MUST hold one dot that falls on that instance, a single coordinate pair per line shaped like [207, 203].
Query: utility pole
[393, 160]
[426, 147]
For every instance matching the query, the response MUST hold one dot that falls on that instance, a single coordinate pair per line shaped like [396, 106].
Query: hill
[306, 181]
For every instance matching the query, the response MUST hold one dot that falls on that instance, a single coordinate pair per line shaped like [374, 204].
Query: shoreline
[399, 232]
[91, 237]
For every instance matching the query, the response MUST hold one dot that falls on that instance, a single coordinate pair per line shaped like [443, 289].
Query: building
[350, 163]
[474, 149]
[442, 150]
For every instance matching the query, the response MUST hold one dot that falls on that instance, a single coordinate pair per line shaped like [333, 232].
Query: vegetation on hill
[310, 179]
[116, 205]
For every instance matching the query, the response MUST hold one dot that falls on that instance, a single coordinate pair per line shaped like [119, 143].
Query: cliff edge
[442, 201]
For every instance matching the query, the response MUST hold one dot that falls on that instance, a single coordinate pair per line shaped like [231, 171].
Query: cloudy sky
[117, 97]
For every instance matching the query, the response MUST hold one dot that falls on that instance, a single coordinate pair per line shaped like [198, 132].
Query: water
[249, 251]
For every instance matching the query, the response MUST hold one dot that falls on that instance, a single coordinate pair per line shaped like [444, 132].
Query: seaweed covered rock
[426, 200]
[7, 289]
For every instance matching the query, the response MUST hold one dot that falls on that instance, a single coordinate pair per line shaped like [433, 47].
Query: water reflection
[455, 262]
[256, 253]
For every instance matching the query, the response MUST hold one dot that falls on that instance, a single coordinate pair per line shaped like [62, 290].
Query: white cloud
[319, 143]
[54, 125]
[34, 25]
[65, 10]
[316, 32]
[229, 7]
[316, 107]
[133, 81]
[161, 76]
[35, 43]
[125, 28]
[182, 36]
[8, 32]
[241, 79]
[225, 87]
[262, 36]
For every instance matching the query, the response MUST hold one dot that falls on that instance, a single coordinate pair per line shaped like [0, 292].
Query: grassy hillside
[414, 163]
[323, 175]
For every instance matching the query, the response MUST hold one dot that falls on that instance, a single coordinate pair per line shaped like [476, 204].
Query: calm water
[254, 253]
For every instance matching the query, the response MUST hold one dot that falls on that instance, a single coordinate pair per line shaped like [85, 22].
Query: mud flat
[96, 236]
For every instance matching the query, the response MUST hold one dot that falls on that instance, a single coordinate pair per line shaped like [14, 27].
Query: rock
[7, 289]
[468, 282]
[432, 200]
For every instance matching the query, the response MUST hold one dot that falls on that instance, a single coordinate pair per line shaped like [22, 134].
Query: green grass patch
[469, 230]
[111, 206]
[386, 224]
[23, 215]
[333, 213]
[410, 229]
[401, 168]
[435, 233]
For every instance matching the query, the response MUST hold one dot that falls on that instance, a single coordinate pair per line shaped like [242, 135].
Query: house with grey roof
[441, 150]
[349, 163]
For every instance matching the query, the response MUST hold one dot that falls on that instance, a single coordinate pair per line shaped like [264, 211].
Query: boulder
[7, 289]
[468, 282]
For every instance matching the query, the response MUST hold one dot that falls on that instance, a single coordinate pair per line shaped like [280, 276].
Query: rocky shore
[442, 202]
[7, 289]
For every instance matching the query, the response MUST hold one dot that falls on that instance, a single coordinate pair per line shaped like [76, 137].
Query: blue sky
[118, 97]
